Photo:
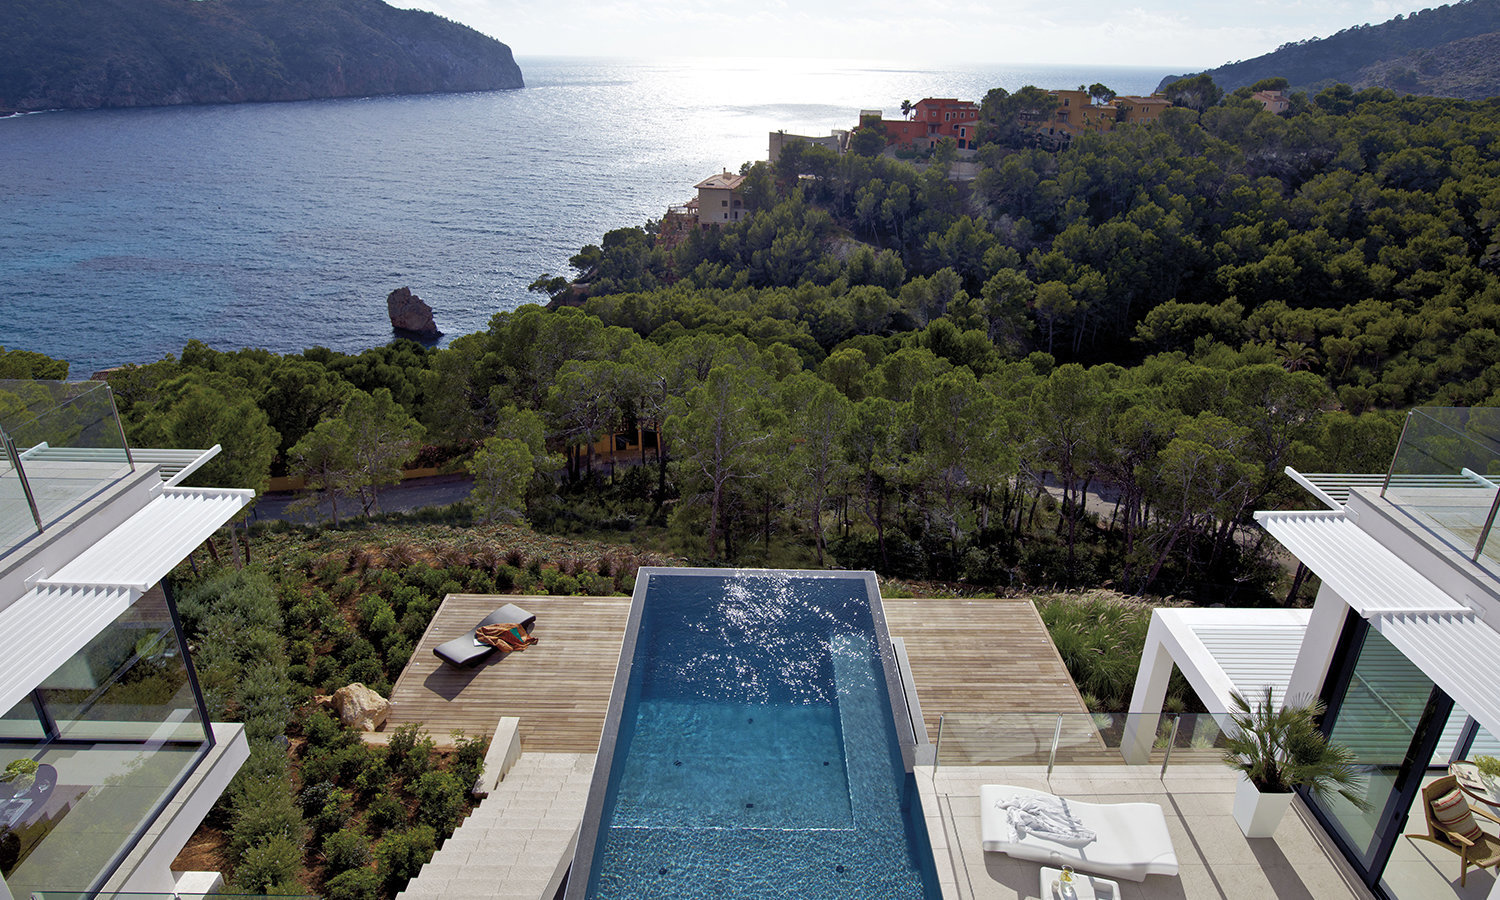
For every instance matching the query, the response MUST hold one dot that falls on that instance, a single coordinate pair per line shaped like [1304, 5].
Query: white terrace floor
[1216, 860]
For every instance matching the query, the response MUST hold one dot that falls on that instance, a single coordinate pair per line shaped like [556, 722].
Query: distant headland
[81, 54]
[1449, 51]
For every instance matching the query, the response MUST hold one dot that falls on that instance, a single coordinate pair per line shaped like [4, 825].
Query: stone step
[518, 842]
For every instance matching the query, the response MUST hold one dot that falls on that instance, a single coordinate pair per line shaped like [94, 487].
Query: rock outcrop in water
[86, 54]
[408, 313]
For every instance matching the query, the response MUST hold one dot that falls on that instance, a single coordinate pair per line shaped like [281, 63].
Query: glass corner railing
[60, 443]
[1446, 476]
[1079, 739]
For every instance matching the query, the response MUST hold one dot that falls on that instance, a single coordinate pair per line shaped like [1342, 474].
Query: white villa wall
[1318, 643]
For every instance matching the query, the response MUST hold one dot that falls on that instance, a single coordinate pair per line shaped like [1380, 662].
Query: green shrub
[355, 884]
[440, 800]
[346, 849]
[330, 571]
[325, 670]
[384, 628]
[345, 588]
[387, 811]
[324, 732]
[559, 584]
[408, 754]
[264, 809]
[334, 813]
[505, 579]
[468, 757]
[401, 854]
[341, 765]
[299, 650]
[370, 607]
[367, 671]
[398, 653]
[314, 795]
[479, 583]
[270, 862]
[403, 597]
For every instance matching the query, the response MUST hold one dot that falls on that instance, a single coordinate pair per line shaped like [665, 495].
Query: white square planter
[1258, 814]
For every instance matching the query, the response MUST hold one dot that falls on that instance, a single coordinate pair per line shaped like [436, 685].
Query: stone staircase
[517, 844]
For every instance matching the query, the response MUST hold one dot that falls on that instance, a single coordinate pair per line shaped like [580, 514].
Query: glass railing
[1446, 476]
[1078, 739]
[60, 443]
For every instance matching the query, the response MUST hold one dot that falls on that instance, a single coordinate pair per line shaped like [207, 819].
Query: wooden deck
[966, 656]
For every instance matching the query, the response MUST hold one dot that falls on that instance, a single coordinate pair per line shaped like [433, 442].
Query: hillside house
[932, 119]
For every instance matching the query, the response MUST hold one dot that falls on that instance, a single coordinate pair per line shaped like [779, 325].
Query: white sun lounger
[1130, 839]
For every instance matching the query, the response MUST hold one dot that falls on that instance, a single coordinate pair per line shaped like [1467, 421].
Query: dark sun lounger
[464, 651]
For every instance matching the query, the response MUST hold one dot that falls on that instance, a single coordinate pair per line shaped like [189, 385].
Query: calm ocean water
[125, 233]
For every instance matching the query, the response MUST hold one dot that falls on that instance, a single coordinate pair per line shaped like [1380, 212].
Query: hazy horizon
[1172, 35]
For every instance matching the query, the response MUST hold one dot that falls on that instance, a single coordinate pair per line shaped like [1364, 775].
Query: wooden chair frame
[1452, 840]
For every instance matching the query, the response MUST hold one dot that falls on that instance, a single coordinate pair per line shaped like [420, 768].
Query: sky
[1172, 34]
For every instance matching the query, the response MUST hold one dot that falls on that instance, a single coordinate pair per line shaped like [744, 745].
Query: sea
[126, 233]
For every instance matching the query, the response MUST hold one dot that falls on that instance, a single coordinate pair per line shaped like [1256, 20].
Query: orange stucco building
[932, 119]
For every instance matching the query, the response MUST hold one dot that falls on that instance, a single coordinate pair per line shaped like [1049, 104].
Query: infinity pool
[752, 748]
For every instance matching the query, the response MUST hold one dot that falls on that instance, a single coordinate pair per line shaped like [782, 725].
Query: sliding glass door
[1391, 715]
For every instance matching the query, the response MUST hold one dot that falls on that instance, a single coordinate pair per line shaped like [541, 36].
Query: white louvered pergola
[63, 610]
[1245, 650]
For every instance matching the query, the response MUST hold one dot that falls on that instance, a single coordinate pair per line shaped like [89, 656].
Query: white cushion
[1131, 838]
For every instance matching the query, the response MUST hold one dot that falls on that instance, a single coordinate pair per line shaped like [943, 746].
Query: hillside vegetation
[1449, 51]
[84, 54]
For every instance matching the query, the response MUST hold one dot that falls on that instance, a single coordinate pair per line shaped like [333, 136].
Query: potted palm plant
[1277, 749]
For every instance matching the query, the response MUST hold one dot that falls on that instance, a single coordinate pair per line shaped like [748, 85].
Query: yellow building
[1076, 113]
[1273, 101]
[1140, 109]
[719, 199]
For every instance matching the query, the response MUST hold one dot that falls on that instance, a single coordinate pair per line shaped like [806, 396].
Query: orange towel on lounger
[505, 636]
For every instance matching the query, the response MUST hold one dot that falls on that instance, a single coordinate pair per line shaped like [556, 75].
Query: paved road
[416, 493]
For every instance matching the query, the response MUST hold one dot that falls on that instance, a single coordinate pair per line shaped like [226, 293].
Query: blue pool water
[757, 753]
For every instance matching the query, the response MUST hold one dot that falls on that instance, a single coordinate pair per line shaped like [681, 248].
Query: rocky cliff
[84, 54]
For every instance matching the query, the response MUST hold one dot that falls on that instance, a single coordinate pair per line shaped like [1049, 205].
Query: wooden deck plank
[967, 656]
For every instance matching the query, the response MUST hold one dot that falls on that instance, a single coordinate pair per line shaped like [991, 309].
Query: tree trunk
[817, 526]
[1166, 551]
[661, 473]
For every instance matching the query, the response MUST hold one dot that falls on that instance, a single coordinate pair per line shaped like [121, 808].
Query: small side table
[1089, 887]
[1470, 782]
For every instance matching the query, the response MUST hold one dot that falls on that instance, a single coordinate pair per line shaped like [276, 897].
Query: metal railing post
[1489, 523]
[1397, 455]
[1171, 739]
[1056, 737]
[15, 462]
[129, 458]
[937, 750]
